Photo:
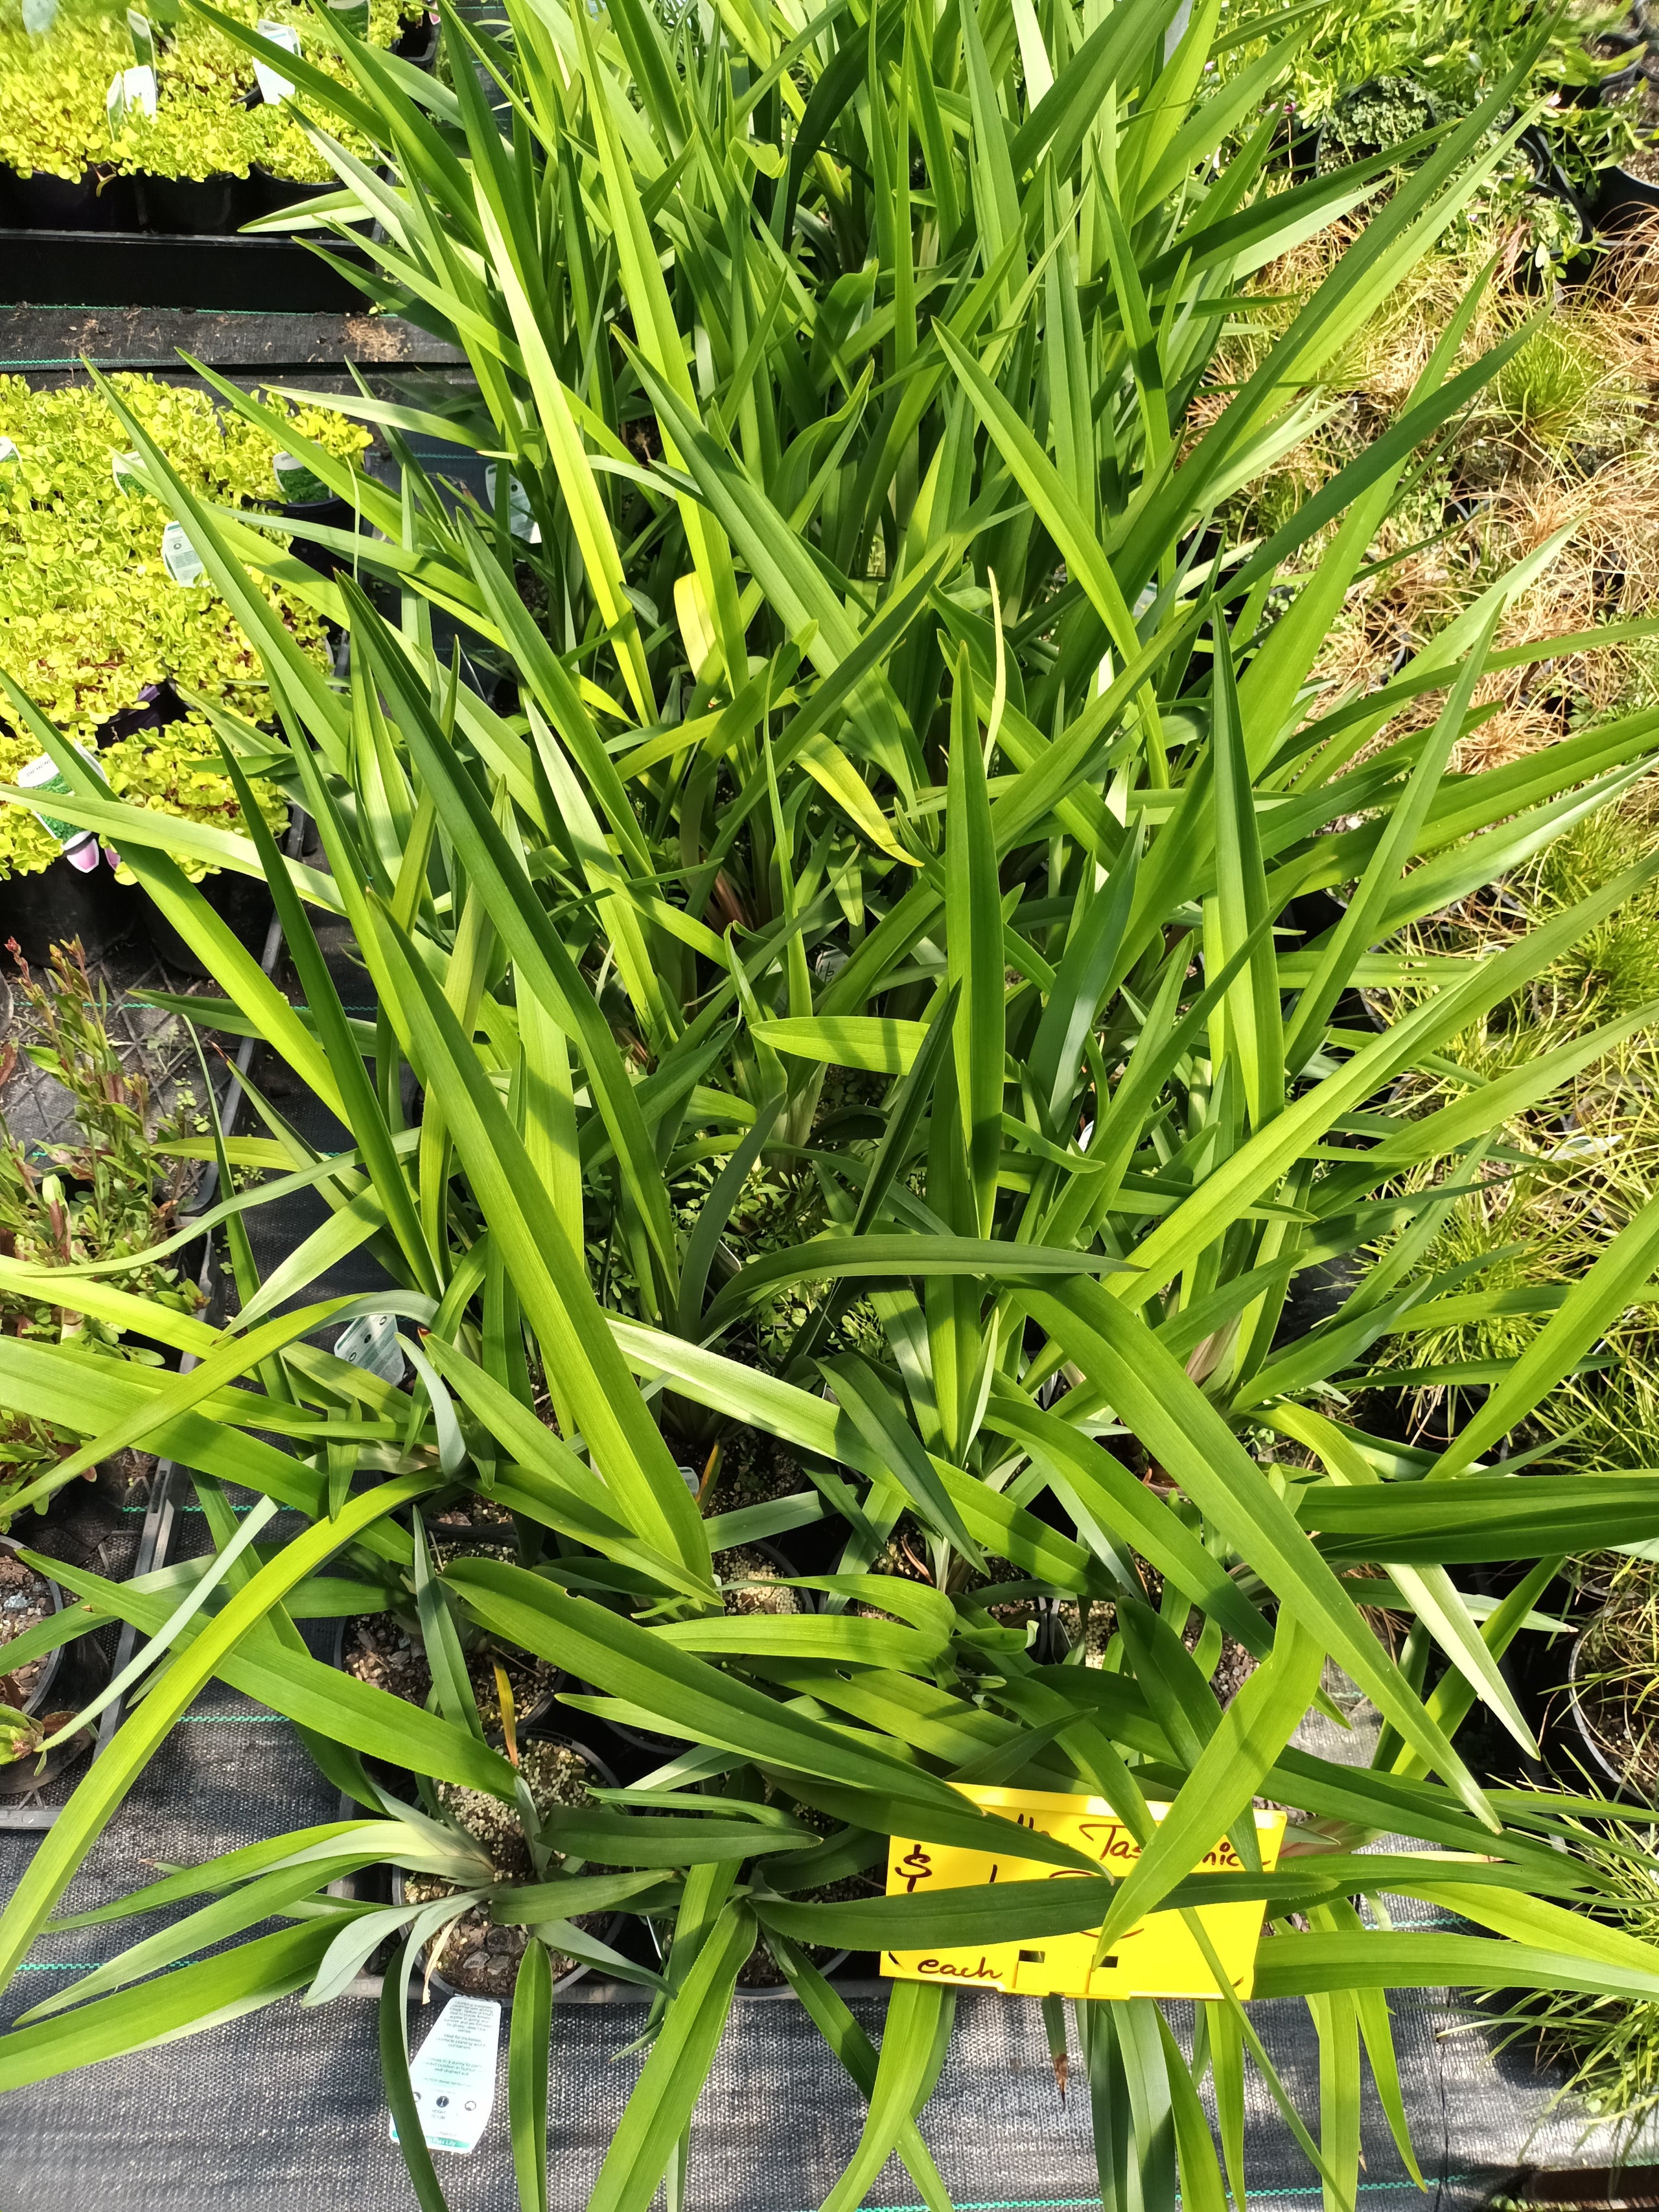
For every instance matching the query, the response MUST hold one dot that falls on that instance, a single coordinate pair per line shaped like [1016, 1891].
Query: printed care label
[453, 2074]
[371, 1342]
[180, 558]
[131, 92]
[273, 87]
[1157, 1957]
[128, 470]
[42, 773]
[296, 485]
[520, 521]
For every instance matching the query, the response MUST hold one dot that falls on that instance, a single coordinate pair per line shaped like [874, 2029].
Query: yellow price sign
[1157, 1957]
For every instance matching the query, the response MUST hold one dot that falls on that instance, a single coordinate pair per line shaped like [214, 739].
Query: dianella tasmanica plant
[868, 916]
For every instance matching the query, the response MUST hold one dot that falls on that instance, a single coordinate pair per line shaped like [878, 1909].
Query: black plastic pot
[417, 41]
[131, 268]
[275, 194]
[1625, 46]
[1623, 201]
[37, 1697]
[327, 513]
[19, 1777]
[157, 706]
[96, 201]
[1588, 1751]
[244, 901]
[63, 901]
[534, 1719]
[197, 207]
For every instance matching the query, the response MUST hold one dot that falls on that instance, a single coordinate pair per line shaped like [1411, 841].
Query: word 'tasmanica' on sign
[1157, 1957]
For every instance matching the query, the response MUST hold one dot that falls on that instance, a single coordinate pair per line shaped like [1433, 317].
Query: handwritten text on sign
[1157, 1957]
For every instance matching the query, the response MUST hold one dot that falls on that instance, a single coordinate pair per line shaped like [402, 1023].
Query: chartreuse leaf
[330, 1838]
[976, 963]
[517, 913]
[394, 2072]
[320, 1697]
[636, 1665]
[878, 1043]
[231, 1357]
[267, 1897]
[871, 1406]
[1202, 2188]
[547, 1481]
[1121, 1503]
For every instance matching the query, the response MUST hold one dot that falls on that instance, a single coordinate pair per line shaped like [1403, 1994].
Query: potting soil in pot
[25, 1602]
[477, 1958]
[381, 1651]
[742, 1567]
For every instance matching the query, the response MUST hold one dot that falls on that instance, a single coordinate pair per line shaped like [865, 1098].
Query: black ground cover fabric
[283, 2112]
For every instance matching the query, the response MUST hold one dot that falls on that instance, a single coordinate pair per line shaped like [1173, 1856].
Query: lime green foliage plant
[891, 697]
[179, 770]
[1379, 73]
[54, 84]
[90, 618]
[98, 1201]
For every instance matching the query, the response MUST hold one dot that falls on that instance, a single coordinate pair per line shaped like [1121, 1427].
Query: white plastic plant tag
[128, 470]
[453, 2074]
[142, 36]
[131, 92]
[520, 521]
[273, 87]
[8, 452]
[371, 1342]
[42, 773]
[691, 1479]
[38, 16]
[296, 483]
[351, 15]
[180, 558]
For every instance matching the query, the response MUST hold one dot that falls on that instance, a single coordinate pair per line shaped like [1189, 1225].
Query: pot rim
[1623, 1785]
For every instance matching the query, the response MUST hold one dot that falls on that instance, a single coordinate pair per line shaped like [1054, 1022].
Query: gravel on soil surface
[25, 1602]
[381, 1651]
[476, 1958]
[745, 1566]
